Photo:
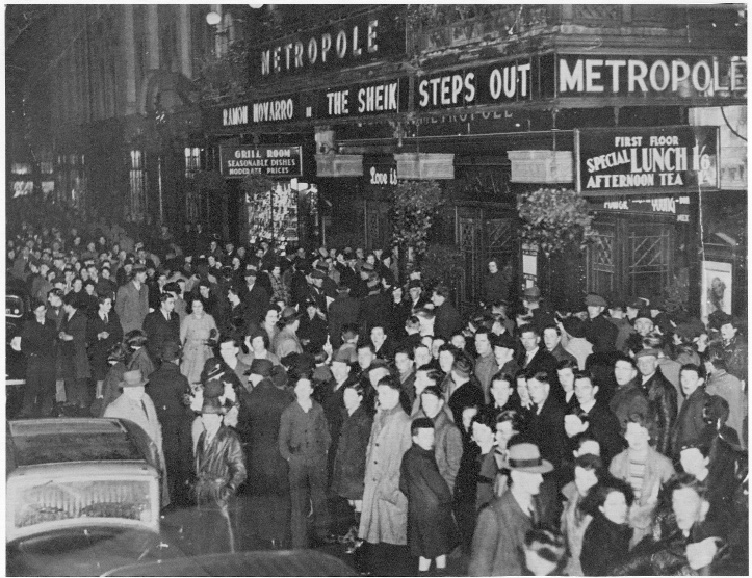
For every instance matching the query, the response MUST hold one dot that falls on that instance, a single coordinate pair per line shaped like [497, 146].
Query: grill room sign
[274, 161]
[667, 158]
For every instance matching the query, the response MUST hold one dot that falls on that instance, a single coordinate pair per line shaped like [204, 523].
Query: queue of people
[606, 440]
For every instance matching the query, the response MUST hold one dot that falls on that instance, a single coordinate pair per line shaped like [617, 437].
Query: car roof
[257, 563]
[64, 440]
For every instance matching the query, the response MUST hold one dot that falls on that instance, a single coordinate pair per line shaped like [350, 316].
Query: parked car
[82, 497]
[17, 310]
[264, 563]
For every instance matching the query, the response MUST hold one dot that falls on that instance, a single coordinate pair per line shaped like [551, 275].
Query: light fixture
[212, 18]
[255, 6]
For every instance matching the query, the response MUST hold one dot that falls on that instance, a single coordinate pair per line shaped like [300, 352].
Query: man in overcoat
[75, 359]
[384, 518]
[500, 532]
[132, 301]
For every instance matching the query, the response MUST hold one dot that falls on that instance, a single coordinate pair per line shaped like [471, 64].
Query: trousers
[39, 394]
[307, 482]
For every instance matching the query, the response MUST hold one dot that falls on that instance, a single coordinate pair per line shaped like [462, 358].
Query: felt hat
[595, 300]
[170, 350]
[138, 268]
[414, 283]
[279, 376]
[289, 314]
[531, 293]
[647, 352]
[527, 458]
[644, 313]
[212, 405]
[342, 355]
[262, 367]
[133, 378]
[504, 340]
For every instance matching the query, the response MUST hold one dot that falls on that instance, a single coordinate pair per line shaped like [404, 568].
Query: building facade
[641, 109]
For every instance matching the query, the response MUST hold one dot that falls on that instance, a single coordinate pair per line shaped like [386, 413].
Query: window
[224, 36]
[138, 185]
[192, 162]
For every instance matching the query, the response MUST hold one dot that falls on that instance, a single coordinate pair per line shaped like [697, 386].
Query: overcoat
[260, 418]
[430, 527]
[384, 517]
[132, 306]
[98, 348]
[350, 462]
[75, 357]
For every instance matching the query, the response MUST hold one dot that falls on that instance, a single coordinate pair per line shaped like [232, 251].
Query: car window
[14, 306]
[75, 447]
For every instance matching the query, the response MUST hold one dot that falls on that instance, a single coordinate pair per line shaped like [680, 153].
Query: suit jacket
[255, 301]
[159, 330]
[167, 386]
[547, 431]
[98, 348]
[344, 309]
[689, 423]
[498, 539]
[601, 333]
[132, 306]
[605, 428]
[541, 361]
[448, 321]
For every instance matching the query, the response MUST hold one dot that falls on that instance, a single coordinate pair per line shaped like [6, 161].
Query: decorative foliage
[442, 263]
[227, 76]
[414, 206]
[253, 185]
[554, 219]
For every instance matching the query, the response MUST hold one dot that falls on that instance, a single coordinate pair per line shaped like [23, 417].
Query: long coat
[498, 539]
[344, 309]
[260, 419]
[350, 462]
[98, 348]
[75, 357]
[132, 306]
[430, 526]
[384, 517]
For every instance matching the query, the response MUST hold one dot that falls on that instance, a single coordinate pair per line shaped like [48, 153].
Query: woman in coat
[195, 332]
[350, 461]
[384, 518]
[606, 541]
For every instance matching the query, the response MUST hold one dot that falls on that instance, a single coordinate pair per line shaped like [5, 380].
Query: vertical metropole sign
[668, 158]
[273, 161]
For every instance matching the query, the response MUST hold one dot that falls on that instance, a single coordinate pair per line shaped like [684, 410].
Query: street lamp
[213, 18]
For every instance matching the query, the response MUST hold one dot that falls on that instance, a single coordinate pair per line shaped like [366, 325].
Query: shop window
[192, 161]
[20, 168]
[138, 184]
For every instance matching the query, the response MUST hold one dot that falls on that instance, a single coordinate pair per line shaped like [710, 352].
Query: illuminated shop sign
[274, 161]
[674, 157]
[353, 41]
[370, 98]
[666, 76]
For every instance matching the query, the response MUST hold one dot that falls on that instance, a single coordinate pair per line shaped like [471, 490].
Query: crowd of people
[606, 440]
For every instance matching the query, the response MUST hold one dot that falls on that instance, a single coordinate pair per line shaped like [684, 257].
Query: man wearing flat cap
[500, 532]
[598, 329]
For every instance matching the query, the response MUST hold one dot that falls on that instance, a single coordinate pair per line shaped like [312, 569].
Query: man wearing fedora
[500, 531]
[167, 389]
[343, 310]
[538, 314]
[254, 297]
[137, 406]
[287, 340]
[220, 470]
